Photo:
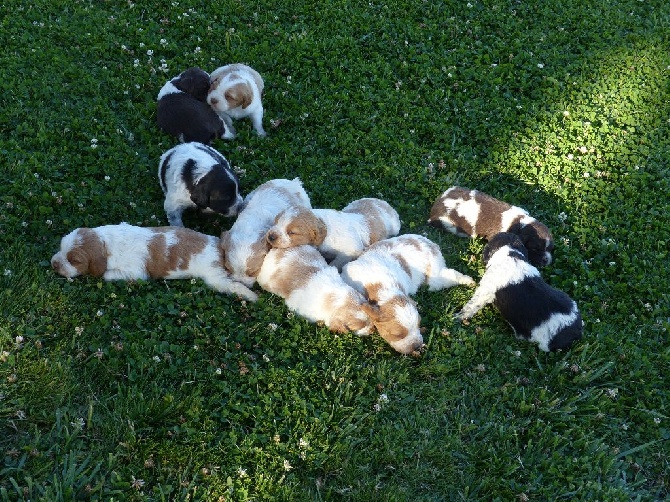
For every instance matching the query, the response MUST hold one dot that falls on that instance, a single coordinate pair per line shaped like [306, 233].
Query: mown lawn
[170, 391]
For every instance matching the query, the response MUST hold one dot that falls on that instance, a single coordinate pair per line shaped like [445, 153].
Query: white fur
[244, 244]
[126, 255]
[223, 79]
[313, 289]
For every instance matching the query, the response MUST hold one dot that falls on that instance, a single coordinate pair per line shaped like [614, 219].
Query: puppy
[391, 270]
[126, 252]
[536, 311]
[196, 175]
[183, 110]
[244, 245]
[466, 212]
[235, 92]
[313, 289]
[340, 236]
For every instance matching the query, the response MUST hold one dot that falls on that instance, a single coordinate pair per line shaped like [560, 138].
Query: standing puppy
[127, 252]
[235, 93]
[340, 236]
[391, 270]
[183, 110]
[466, 212]
[313, 289]
[196, 175]
[244, 245]
[536, 311]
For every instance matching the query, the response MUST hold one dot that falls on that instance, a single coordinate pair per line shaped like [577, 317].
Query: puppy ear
[372, 311]
[246, 97]
[319, 232]
[98, 265]
[200, 195]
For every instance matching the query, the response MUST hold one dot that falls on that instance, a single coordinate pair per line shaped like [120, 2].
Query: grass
[169, 391]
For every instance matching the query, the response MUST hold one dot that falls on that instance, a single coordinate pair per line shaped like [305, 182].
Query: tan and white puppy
[244, 245]
[340, 236]
[235, 92]
[127, 252]
[388, 272]
[466, 212]
[313, 289]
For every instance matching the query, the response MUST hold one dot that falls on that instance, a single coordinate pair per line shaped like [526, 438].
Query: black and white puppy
[466, 212]
[196, 175]
[183, 110]
[536, 311]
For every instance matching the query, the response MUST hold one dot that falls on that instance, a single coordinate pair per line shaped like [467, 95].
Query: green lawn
[170, 391]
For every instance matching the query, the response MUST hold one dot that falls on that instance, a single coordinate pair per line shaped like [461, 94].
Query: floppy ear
[246, 98]
[319, 232]
[200, 195]
[97, 266]
[372, 311]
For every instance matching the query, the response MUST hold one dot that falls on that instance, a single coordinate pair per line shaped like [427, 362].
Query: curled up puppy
[340, 236]
[313, 289]
[536, 311]
[391, 270]
[235, 93]
[244, 245]
[466, 212]
[183, 110]
[196, 175]
[127, 252]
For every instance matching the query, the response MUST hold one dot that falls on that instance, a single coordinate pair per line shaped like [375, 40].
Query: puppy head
[193, 81]
[539, 242]
[218, 190]
[82, 252]
[504, 239]
[243, 262]
[237, 94]
[397, 321]
[295, 227]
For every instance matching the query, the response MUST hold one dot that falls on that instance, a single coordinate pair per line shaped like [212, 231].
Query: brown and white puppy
[235, 92]
[536, 311]
[183, 110]
[466, 212]
[340, 236]
[127, 252]
[244, 245]
[388, 272]
[313, 289]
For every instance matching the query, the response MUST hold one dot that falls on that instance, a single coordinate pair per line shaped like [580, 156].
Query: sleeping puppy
[196, 175]
[340, 236]
[183, 110]
[391, 270]
[235, 92]
[313, 289]
[127, 252]
[466, 212]
[244, 245]
[536, 311]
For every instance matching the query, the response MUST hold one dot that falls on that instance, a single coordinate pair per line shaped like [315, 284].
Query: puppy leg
[229, 131]
[447, 278]
[224, 284]
[257, 121]
[482, 297]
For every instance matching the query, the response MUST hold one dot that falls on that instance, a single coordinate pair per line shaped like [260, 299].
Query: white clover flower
[136, 63]
[19, 339]
[78, 423]
[107, 178]
[141, 44]
[562, 217]
[272, 326]
[157, 359]
[566, 113]
[99, 313]
[150, 52]
[540, 65]
[266, 358]
[218, 371]
[383, 398]
[7, 272]
[657, 420]
[163, 41]
[583, 149]
[303, 443]
[4, 356]
[241, 472]
[287, 466]
[78, 330]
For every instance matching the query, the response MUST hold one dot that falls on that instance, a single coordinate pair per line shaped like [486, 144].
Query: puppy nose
[55, 266]
[272, 237]
[213, 101]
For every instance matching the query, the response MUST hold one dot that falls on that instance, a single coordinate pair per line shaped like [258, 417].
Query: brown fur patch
[306, 228]
[294, 275]
[89, 257]
[385, 321]
[259, 250]
[163, 258]
[239, 95]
